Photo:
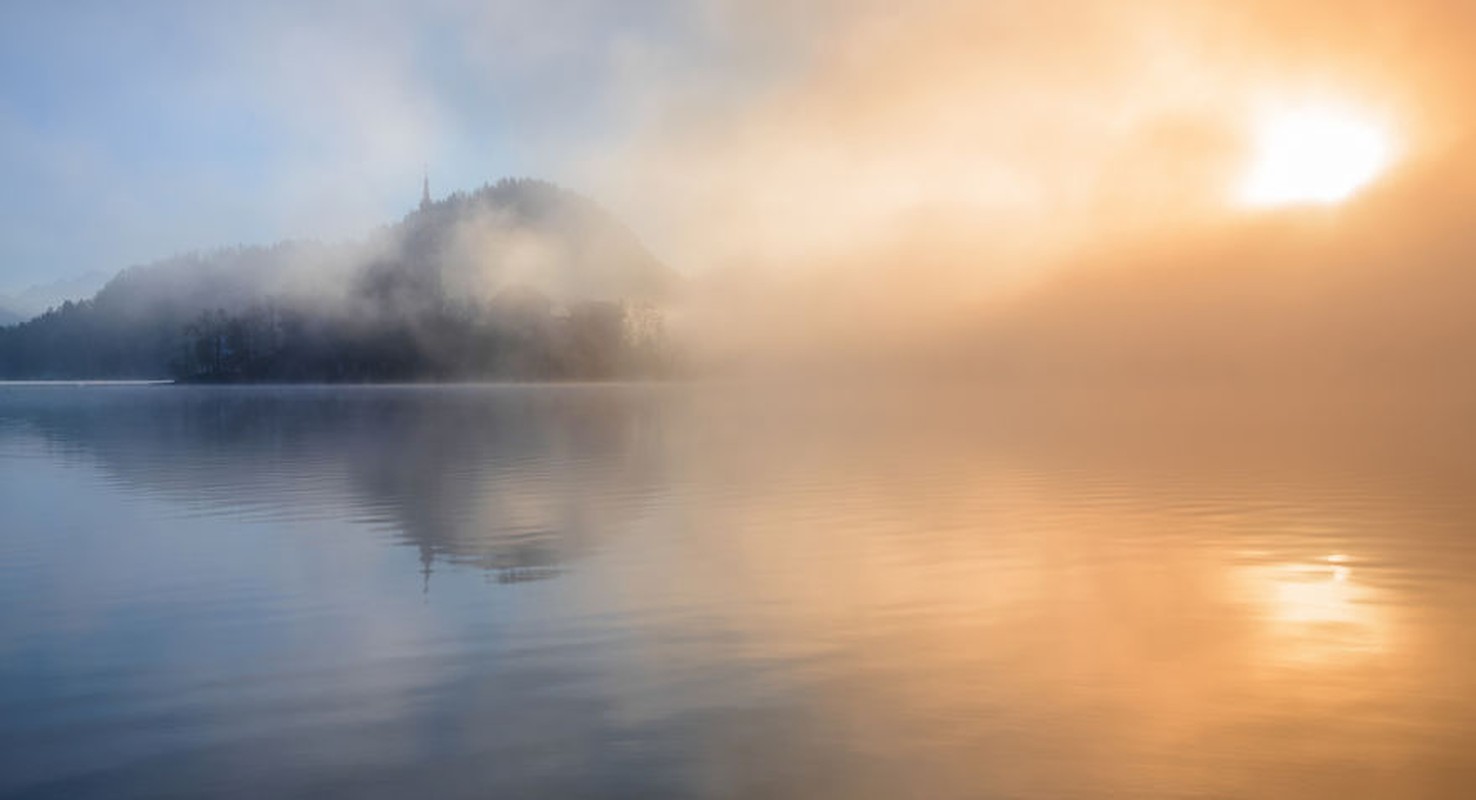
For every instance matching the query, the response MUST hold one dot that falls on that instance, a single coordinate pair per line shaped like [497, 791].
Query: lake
[731, 591]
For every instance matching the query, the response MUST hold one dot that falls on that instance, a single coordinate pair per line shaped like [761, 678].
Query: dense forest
[518, 280]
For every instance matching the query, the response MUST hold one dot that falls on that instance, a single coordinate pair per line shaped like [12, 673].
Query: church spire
[425, 200]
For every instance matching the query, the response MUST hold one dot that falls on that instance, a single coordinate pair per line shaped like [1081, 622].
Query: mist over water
[1067, 400]
[635, 591]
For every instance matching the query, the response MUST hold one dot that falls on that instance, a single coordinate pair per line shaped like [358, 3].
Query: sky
[911, 164]
[130, 132]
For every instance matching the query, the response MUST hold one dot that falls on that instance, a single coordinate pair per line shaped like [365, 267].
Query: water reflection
[691, 592]
[508, 479]
[1320, 612]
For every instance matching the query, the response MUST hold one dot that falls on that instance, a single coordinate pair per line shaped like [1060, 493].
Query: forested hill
[517, 280]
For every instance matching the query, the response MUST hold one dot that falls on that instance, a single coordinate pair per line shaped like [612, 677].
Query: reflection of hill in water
[519, 480]
[515, 480]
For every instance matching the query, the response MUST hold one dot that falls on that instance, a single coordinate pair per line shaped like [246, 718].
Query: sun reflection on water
[1318, 612]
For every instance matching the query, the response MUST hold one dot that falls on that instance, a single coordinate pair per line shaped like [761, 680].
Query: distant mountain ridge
[483, 284]
[38, 298]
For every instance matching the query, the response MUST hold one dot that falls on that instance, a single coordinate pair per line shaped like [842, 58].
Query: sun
[1318, 155]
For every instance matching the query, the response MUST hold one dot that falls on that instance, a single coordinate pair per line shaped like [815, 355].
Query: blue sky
[132, 131]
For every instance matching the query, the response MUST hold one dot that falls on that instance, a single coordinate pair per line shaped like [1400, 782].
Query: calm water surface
[709, 592]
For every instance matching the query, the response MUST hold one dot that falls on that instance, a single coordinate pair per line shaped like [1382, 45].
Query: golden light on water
[1317, 612]
[1315, 155]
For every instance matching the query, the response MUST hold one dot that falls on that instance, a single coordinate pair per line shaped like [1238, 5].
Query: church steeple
[425, 200]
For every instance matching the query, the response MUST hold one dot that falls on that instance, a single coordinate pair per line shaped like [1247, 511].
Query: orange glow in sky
[1314, 155]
